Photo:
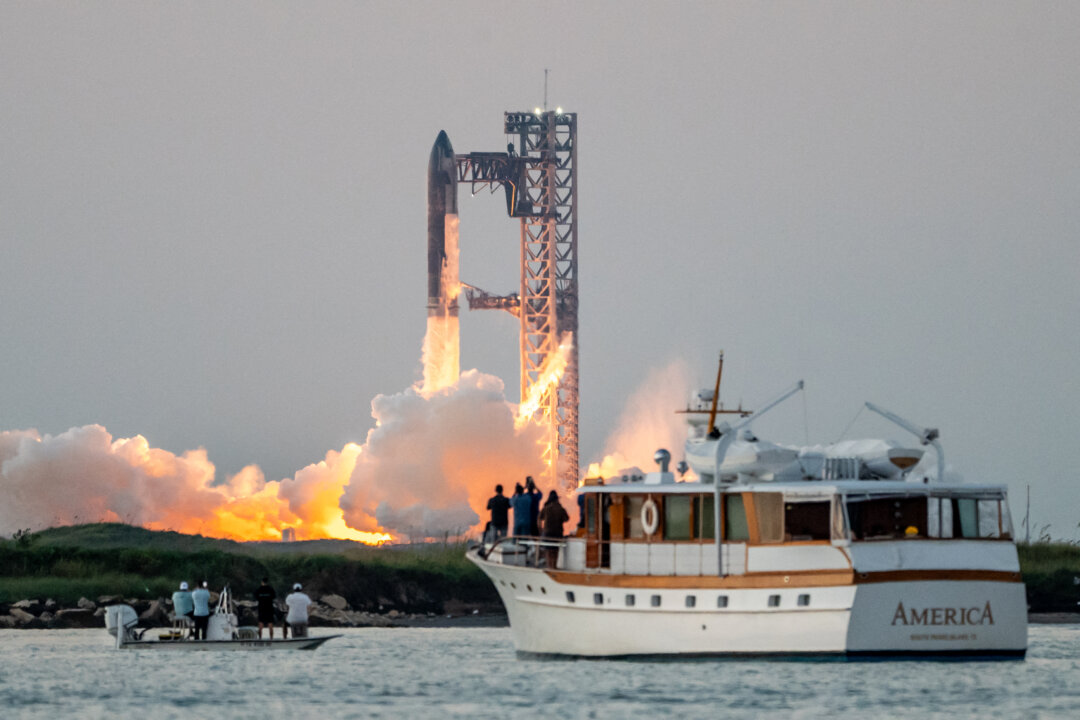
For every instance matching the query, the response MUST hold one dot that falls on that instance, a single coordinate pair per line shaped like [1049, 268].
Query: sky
[212, 216]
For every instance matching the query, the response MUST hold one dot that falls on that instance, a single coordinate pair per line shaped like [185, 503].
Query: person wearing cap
[201, 599]
[181, 602]
[297, 619]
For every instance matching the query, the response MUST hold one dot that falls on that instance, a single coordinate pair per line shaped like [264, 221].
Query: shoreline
[34, 615]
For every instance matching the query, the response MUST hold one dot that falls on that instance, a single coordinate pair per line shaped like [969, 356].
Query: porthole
[529, 588]
[513, 586]
[543, 590]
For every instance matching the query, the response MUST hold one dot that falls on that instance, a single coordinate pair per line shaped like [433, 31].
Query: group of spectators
[530, 519]
[195, 604]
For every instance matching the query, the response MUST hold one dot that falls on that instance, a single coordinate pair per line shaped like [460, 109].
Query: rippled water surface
[474, 673]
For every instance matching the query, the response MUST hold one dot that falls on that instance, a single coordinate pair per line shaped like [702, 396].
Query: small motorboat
[222, 632]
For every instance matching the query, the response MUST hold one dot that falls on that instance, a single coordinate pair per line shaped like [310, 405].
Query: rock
[76, 618]
[100, 612]
[51, 605]
[45, 617]
[21, 616]
[31, 606]
[155, 614]
[86, 604]
[335, 601]
[109, 599]
[393, 614]
[7, 621]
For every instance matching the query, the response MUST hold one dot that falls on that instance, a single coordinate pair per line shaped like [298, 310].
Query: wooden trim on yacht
[799, 578]
[917, 575]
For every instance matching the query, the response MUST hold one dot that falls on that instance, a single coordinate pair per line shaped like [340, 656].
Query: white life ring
[650, 516]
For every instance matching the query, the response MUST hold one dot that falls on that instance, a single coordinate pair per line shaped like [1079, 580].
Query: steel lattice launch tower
[538, 173]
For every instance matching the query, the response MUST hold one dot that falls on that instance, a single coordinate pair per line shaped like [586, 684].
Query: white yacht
[836, 550]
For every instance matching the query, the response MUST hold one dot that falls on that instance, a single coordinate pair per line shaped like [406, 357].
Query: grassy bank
[1050, 572]
[112, 559]
[107, 559]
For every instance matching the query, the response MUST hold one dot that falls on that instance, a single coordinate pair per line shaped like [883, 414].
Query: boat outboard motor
[120, 621]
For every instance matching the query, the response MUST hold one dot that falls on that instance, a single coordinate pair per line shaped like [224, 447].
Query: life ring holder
[650, 516]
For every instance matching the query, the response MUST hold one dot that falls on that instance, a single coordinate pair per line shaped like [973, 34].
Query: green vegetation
[1051, 571]
[112, 559]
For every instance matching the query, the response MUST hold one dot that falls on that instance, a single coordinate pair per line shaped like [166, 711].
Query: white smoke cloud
[648, 422]
[432, 461]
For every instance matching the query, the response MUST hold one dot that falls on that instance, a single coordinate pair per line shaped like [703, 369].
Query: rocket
[443, 286]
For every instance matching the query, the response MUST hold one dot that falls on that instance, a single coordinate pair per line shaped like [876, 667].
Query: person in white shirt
[298, 617]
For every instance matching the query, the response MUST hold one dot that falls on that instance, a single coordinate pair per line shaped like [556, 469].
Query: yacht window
[677, 517]
[933, 517]
[721, 601]
[691, 601]
[569, 596]
[629, 601]
[966, 510]
[769, 509]
[735, 528]
[632, 506]
[807, 520]
[892, 518]
[804, 600]
[989, 526]
[598, 598]
[656, 601]
[703, 516]
[774, 601]
[839, 522]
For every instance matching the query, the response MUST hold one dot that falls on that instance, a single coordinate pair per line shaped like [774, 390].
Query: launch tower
[538, 173]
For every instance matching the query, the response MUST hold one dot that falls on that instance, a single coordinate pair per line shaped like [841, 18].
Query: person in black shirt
[499, 506]
[265, 596]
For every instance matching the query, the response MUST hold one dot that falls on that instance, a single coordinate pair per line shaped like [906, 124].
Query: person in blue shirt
[521, 503]
[181, 602]
[535, 498]
[201, 599]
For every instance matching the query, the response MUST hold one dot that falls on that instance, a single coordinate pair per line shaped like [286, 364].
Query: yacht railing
[527, 551]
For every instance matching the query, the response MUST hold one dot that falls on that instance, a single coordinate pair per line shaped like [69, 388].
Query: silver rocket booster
[441, 202]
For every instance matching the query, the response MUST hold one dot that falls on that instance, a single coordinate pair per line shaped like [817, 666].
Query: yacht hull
[590, 615]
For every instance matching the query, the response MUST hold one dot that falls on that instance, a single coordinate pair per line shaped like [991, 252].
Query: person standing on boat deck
[201, 599]
[535, 498]
[181, 602]
[553, 517]
[499, 506]
[521, 504]
[298, 618]
[265, 597]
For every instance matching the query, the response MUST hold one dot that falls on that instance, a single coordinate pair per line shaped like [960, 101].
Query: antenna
[545, 89]
[716, 395]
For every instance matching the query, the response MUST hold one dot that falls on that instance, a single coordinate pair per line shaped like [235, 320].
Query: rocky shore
[327, 611]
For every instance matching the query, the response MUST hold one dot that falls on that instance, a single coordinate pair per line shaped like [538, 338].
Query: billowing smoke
[425, 470]
[431, 461]
[84, 475]
[648, 423]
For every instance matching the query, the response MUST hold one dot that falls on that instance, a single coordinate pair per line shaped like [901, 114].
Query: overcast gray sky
[212, 215]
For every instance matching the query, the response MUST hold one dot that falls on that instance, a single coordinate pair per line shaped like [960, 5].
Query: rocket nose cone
[441, 149]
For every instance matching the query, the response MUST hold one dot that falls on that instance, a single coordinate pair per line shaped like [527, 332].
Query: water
[474, 673]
